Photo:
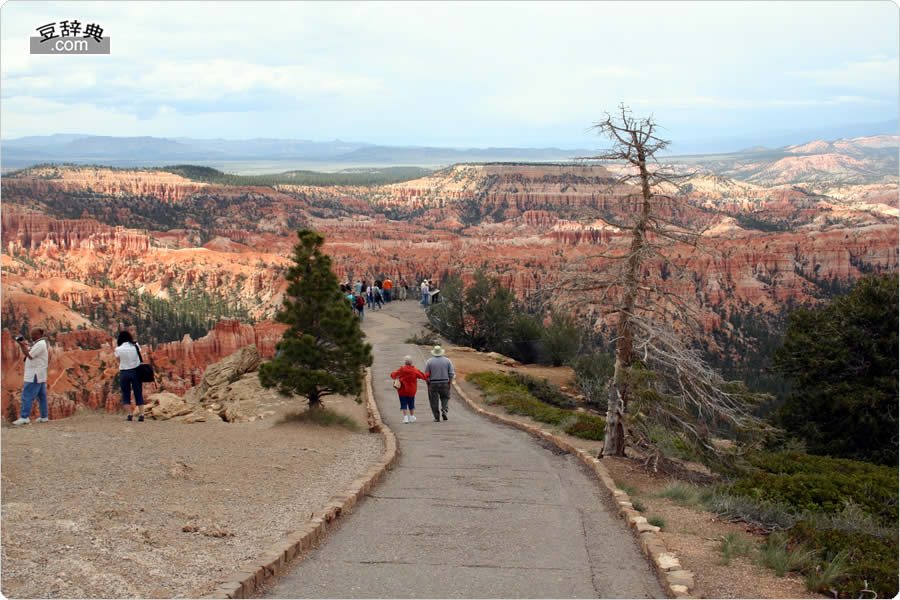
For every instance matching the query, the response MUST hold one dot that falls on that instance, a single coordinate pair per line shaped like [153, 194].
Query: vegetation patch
[588, 427]
[366, 177]
[515, 397]
[322, 416]
[848, 564]
[733, 546]
[821, 484]
[686, 494]
[544, 391]
[782, 553]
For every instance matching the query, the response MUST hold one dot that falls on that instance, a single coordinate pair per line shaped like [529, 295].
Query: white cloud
[750, 104]
[417, 70]
[874, 74]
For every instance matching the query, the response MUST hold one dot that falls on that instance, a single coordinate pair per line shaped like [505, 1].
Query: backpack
[360, 302]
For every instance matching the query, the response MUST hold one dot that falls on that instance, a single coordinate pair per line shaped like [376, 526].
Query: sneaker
[22, 421]
[129, 417]
[405, 419]
[41, 420]
[141, 418]
[412, 418]
[444, 415]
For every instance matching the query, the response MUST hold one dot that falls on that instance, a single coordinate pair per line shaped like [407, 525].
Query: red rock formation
[523, 224]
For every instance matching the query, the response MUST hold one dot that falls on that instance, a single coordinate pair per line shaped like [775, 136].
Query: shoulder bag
[144, 371]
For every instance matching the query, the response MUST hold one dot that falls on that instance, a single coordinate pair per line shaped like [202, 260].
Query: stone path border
[252, 574]
[676, 581]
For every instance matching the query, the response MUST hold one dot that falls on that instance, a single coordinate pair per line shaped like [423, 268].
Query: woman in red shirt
[407, 374]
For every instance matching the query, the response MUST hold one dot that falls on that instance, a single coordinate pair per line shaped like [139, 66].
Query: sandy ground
[94, 506]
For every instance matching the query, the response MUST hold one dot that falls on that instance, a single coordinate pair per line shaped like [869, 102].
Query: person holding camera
[129, 360]
[36, 361]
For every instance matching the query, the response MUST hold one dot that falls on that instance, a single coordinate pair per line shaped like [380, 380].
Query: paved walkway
[472, 509]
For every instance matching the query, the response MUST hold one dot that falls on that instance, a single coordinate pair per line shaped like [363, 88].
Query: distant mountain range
[153, 151]
[267, 155]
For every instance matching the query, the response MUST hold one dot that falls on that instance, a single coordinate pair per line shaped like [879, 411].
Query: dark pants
[439, 393]
[129, 381]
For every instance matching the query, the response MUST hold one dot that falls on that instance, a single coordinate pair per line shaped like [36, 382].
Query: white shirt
[36, 366]
[128, 356]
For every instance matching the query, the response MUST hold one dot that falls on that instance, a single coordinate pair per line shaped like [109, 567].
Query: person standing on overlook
[402, 291]
[379, 297]
[36, 361]
[129, 360]
[360, 305]
[386, 287]
[424, 300]
[440, 373]
[407, 375]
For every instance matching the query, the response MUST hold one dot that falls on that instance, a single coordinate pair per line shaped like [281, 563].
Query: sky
[458, 74]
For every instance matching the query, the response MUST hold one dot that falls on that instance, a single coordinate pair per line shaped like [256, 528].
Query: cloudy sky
[452, 73]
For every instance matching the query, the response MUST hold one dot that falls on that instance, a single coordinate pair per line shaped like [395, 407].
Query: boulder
[165, 405]
[231, 368]
[220, 374]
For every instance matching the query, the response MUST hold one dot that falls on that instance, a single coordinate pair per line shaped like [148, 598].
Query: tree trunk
[315, 402]
[619, 395]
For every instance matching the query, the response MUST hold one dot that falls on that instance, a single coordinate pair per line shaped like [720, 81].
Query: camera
[19, 338]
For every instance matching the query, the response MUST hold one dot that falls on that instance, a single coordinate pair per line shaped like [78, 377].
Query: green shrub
[544, 391]
[871, 561]
[657, 522]
[592, 373]
[732, 546]
[588, 427]
[816, 483]
[671, 444]
[783, 554]
[320, 416]
[559, 340]
[824, 575]
[513, 394]
[686, 494]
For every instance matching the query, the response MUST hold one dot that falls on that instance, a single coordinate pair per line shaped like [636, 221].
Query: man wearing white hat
[440, 373]
[424, 300]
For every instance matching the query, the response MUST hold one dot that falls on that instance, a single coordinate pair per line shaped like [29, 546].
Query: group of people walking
[438, 375]
[361, 295]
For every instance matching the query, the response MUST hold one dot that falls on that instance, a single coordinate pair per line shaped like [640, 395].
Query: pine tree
[323, 351]
[841, 361]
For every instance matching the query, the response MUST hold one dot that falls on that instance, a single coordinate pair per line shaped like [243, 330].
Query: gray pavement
[472, 509]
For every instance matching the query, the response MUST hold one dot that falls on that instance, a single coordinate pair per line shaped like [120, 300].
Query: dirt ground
[94, 506]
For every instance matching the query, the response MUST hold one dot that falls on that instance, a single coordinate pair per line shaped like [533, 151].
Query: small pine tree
[322, 352]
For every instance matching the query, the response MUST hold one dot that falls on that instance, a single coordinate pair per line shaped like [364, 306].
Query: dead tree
[658, 381]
